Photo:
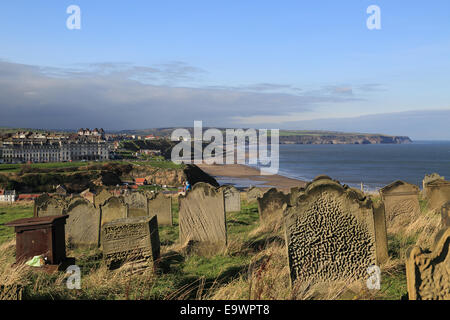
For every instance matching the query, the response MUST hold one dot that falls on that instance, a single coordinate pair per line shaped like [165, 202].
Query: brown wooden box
[40, 236]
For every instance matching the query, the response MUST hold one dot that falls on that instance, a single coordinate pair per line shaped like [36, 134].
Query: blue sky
[268, 63]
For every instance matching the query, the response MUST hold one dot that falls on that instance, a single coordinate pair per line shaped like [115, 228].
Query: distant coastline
[342, 138]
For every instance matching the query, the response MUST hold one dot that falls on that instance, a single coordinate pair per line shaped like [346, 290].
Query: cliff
[342, 139]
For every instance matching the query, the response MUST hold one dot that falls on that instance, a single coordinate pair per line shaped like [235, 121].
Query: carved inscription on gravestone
[130, 239]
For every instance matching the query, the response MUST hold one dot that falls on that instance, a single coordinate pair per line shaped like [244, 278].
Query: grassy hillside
[78, 176]
[252, 266]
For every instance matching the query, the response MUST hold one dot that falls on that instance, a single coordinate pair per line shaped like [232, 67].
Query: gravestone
[430, 178]
[253, 194]
[333, 232]
[47, 206]
[437, 193]
[113, 209]
[428, 273]
[401, 201]
[232, 198]
[161, 206]
[137, 204]
[130, 239]
[445, 213]
[101, 197]
[272, 204]
[202, 215]
[293, 195]
[83, 224]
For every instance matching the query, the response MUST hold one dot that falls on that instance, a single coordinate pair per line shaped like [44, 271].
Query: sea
[372, 165]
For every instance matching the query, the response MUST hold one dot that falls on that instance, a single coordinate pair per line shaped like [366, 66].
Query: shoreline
[247, 176]
[243, 176]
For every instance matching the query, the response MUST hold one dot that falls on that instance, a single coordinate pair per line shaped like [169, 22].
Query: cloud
[425, 125]
[126, 96]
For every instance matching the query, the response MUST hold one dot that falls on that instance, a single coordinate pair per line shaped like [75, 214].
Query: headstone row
[85, 218]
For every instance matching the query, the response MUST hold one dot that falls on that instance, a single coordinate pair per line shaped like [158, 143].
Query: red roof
[28, 196]
[141, 179]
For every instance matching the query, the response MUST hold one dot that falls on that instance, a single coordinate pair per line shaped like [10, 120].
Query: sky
[262, 64]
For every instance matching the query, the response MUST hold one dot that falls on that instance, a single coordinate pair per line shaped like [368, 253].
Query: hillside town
[84, 145]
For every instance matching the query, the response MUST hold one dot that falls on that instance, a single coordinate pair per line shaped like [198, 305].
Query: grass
[10, 213]
[252, 266]
[50, 165]
[164, 164]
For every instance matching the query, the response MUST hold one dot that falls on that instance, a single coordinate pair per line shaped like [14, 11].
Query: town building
[92, 133]
[28, 197]
[8, 196]
[24, 150]
[141, 181]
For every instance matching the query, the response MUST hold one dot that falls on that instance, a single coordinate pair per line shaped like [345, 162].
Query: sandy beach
[251, 174]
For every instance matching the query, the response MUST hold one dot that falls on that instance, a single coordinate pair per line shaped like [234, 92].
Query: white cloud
[122, 95]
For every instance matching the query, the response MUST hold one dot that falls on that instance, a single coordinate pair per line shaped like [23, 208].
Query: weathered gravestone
[293, 195]
[83, 224]
[113, 209]
[161, 206]
[445, 213]
[253, 194]
[272, 204]
[428, 273]
[401, 202]
[130, 239]
[46, 206]
[232, 198]
[137, 204]
[101, 197]
[202, 215]
[437, 193]
[333, 232]
[430, 178]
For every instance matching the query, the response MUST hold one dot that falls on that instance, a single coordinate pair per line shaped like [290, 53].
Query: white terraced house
[53, 151]
[8, 196]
